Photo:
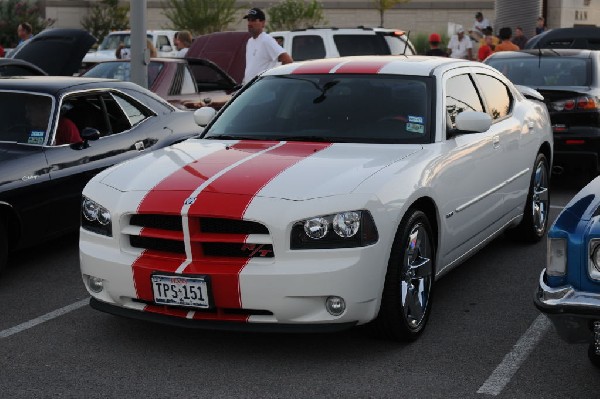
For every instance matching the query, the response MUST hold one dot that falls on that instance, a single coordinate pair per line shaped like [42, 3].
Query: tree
[14, 12]
[201, 16]
[383, 5]
[295, 14]
[105, 16]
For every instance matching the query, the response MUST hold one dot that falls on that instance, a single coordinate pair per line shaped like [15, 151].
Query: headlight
[95, 217]
[341, 230]
[595, 253]
[556, 262]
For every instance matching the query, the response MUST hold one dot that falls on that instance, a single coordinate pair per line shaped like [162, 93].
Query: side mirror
[166, 48]
[473, 122]
[203, 115]
[89, 133]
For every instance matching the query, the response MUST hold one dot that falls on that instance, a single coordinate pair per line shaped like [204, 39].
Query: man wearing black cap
[262, 51]
[480, 24]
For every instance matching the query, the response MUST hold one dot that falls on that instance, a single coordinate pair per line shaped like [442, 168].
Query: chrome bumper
[572, 312]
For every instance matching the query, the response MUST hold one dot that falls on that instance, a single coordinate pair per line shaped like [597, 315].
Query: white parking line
[39, 320]
[513, 360]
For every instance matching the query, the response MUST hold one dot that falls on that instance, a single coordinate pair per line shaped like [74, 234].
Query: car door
[469, 176]
[126, 129]
[514, 141]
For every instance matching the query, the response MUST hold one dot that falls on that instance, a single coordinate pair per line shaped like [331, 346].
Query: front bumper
[218, 324]
[571, 311]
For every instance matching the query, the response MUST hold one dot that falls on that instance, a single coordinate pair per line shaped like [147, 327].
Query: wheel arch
[9, 216]
[428, 207]
[547, 151]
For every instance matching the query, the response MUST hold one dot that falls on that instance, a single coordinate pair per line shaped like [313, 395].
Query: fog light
[96, 284]
[335, 305]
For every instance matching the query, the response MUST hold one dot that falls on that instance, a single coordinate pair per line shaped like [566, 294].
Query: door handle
[496, 142]
[139, 145]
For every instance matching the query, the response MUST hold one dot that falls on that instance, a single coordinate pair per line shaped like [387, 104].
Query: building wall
[570, 13]
[418, 16]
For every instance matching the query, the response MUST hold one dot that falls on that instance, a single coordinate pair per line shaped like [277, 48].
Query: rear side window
[361, 45]
[497, 96]
[461, 96]
[308, 47]
[134, 112]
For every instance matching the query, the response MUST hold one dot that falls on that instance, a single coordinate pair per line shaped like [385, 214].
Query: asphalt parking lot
[484, 339]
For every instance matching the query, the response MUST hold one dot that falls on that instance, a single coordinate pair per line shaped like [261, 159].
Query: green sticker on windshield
[415, 128]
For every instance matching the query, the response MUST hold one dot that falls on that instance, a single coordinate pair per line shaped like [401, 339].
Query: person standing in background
[486, 49]
[540, 25]
[460, 46]
[505, 43]
[519, 38]
[262, 51]
[434, 43]
[480, 24]
[183, 41]
[24, 31]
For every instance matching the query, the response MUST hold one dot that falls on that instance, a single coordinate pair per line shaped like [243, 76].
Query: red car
[187, 83]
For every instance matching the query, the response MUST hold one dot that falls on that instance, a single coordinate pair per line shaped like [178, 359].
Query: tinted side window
[361, 45]
[17, 70]
[308, 47]
[188, 85]
[162, 41]
[461, 95]
[134, 112]
[497, 96]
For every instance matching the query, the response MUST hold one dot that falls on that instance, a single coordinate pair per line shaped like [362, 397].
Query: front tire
[406, 298]
[535, 218]
[594, 358]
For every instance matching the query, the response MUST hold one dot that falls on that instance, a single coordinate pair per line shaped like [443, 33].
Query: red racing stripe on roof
[367, 67]
[319, 67]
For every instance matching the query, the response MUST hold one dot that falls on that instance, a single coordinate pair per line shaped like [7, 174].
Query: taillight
[580, 103]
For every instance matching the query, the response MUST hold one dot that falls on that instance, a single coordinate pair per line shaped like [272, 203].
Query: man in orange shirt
[505, 43]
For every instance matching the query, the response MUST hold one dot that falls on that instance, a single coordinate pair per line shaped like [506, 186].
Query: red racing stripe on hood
[168, 197]
[228, 197]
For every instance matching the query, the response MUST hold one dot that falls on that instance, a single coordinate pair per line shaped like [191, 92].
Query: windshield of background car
[111, 42]
[361, 45]
[26, 117]
[122, 71]
[545, 71]
[332, 108]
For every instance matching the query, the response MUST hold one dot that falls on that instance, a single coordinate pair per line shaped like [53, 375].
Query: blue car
[569, 287]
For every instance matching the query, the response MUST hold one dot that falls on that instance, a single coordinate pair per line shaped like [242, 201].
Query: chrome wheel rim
[416, 277]
[540, 198]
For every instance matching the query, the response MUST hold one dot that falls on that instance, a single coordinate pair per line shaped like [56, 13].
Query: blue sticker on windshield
[415, 119]
[415, 128]
[36, 137]
[37, 133]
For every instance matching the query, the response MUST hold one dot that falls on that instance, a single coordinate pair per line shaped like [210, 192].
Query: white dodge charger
[326, 194]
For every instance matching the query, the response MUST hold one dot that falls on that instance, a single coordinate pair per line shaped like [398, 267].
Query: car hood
[58, 52]
[583, 206]
[299, 170]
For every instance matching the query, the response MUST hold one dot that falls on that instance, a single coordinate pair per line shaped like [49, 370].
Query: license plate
[180, 291]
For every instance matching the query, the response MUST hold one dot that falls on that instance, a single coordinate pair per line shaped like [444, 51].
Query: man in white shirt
[262, 51]
[480, 24]
[460, 46]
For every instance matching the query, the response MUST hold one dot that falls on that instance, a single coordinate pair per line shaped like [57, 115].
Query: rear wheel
[535, 218]
[406, 299]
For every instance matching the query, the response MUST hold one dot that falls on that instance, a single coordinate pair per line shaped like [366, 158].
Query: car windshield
[545, 71]
[26, 117]
[111, 42]
[121, 70]
[331, 108]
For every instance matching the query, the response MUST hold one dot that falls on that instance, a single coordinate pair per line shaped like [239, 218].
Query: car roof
[545, 53]
[355, 30]
[56, 84]
[400, 65]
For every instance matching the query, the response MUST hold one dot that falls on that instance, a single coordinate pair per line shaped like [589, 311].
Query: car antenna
[406, 43]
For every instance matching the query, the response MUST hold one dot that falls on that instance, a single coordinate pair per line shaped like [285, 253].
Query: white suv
[314, 43]
[163, 40]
